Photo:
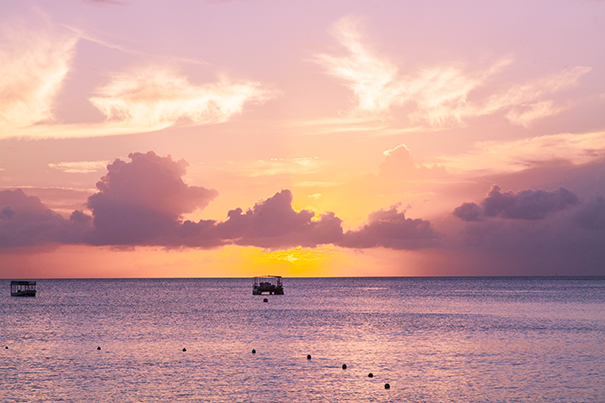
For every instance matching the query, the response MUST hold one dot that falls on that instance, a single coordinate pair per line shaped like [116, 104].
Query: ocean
[505, 339]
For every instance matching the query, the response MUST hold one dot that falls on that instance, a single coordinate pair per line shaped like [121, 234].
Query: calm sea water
[431, 339]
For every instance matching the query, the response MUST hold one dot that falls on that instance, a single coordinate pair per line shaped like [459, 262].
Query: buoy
[265, 300]
[370, 375]
[99, 347]
[308, 356]
[6, 348]
[387, 386]
[253, 351]
[184, 349]
[344, 366]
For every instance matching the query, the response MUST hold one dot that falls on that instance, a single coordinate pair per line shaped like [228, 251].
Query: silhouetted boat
[23, 288]
[268, 284]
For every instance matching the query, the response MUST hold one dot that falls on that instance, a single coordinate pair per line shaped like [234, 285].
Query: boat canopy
[269, 284]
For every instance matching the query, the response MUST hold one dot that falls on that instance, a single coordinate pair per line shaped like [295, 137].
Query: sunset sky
[301, 138]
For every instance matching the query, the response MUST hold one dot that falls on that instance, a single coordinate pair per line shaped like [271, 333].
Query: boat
[23, 288]
[268, 284]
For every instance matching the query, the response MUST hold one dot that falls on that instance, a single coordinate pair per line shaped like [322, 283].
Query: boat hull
[28, 293]
[274, 291]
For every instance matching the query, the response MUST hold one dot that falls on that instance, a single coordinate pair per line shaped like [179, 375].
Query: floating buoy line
[309, 357]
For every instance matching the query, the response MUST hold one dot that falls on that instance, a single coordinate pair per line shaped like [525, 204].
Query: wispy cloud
[35, 62]
[493, 156]
[33, 65]
[370, 77]
[525, 102]
[279, 166]
[96, 37]
[153, 99]
[80, 166]
[441, 95]
[157, 97]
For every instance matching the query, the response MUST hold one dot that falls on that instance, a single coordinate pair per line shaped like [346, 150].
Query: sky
[301, 138]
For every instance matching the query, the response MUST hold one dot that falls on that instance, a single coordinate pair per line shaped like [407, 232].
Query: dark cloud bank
[142, 202]
[526, 205]
[535, 232]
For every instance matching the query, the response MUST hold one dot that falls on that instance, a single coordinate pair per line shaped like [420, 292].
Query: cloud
[468, 212]
[571, 242]
[370, 78]
[279, 166]
[158, 98]
[512, 156]
[144, 199]
[62, 200]
[390, 229]
[273, 223]
[34, 62]
[527, 204]
[592, 215]
[142, 203]
[399, 164]
[523, 101]
[524, 205]
[442, 95]
[82, 167]
[531, 232]
[26, 221]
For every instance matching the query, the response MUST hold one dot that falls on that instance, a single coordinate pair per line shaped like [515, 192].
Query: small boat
[269, 284]
[23, 288]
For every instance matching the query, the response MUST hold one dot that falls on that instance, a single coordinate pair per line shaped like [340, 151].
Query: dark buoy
[265, 300]
[6, 348]
[308, 356]
[253, 351]
[98, 347]
[387, 386]
[370, 375]
[184, 349]
[344, 366]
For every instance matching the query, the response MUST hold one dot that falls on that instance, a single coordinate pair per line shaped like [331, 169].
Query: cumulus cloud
[142, 202]
[26, 221]
[527, 204]
[143, 199]
[273, 223]
[391, 229]
[157, 98]
[468, 212]
[441, 94]
[34, 62]
[399, 164]
[524, 205]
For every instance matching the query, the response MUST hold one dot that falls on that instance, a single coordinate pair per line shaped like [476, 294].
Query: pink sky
[301, 138]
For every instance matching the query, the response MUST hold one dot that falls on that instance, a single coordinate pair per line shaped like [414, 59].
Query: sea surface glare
[430, 339]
